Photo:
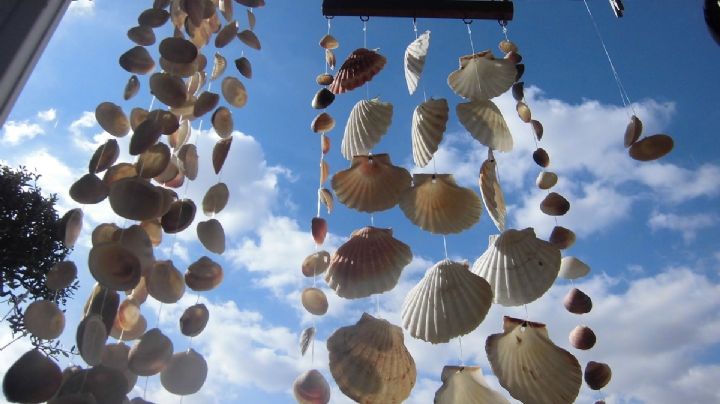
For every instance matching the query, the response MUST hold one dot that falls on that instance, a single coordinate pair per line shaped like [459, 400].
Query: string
[367, 84]
[462, 360]
[415, 29]
[472, 45]
[328, 32]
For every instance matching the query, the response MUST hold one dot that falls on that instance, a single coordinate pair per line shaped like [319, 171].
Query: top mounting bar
[453, 9]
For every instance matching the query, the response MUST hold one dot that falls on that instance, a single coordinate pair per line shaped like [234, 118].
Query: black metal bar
[452, 9]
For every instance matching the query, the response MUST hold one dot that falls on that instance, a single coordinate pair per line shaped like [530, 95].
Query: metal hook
[329, 17]
[364, 18]
[467, 21]
[503, 23]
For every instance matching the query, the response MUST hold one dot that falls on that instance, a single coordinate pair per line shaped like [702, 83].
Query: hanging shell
[144, 136]
[114, 266]
[251, 19]
[597, 375]
[541, 157]
[189, 161]
[524, 349]
[103, 302]
[219, 66]
[369, 120]
[330, 59]
[448, 302]
[104, 156]
[322, 99]
[136, 199]
[325, 144]
[178, 50]
[428, 126]
[518, 91]
[165, 283]
[633, 131]
[324, 171]
[359, 68]
[319, 229]
[437, 204]
[153, 161]
[491, 192]
[131, 88]
[234, 92]
[329, 42]
[577, 302]
[90, 339]
[326, 198]
[89, 189]
[324, 79]
[371, 184]
[582, 337]
[205, 103]
[226, 9]
[203, 275]
[562, 237]
[244, 67]
[194, 319]
[44, 320]
[546, 180]
[179, 217]
[306, 339]
[573, 268]
[151, 354]
[137, 60]
[141, 35]
[220, 153]
[316, 264]
[370, 262]
[322, 123]
[314, 301]
[519, 266]
[70, 227]
[226, 34]
[222, 122]
[185, 373]
[415, 55]
[128, 314]
[651, 147]
[554, 204]
[250, 39]
[137, 116]
[466, 385]
[537, 128]
[32, 378]
[153, 17]
[311, 388]
[482, 77]
[215, 199]
[370, 363]
[168, 89]
[61, 275]
[211, 235]
[112, 119]
[486, 124]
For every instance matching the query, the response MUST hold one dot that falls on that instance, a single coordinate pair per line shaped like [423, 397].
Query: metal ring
[364, 18]
[467, 21]
[503, 23]
[329, 17]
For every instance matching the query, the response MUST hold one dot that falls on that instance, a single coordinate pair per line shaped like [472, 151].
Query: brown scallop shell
[165, 283]
[226, 34]
[582, 337]
[179, 217]
[145, 135]
[203, 274]
[205, 103]
[220, 153]
[153, 17]
[44, 320]
[194, 319]
[114, 266]
[597, 375]
[61, 275]
[89, 189]
[311, 388]
[541, 157]
[244, 67]
[651, 147]
[185, 373]
[315, 264]
[250, 39]
[322, 99]
[153, 161]
[222, 122]
[112, 119]
[32, 378]
[168, 89]
[319, 229]
[215, 199]
[359, 68]
[577, 302]
[136, 199]
[633, 131]
[554, 204]
[562, 237]
[324, 79]
[151, 354]
[178, 50]
[137, 60]
[314, 301]
[211, 235]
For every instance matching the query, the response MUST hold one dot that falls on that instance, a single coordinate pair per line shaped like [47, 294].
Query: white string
[415, 29]
[462, 360]
[472, 45]
[367, 84]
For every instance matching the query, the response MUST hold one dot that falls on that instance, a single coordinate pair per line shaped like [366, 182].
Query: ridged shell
[44, 320]
[203, 275]
[359, 68]
[491, 192]
[306, 338]
[370, 363]
[415, 55]
[530, 366]
[151, 354]
[112, 119]
[428, 126]
[32, 378]
[369, 120]
[314, 301]
[215, 199]
[165, 283]
[519, 266]
[311, 388]
[194, 319]
[486, 124]
[651, 147]
[371, 184]
[437, 204]
[211, 235]
[573, 268]
[185, 373]
[466, 385]
[369, 262]
[482, 77]
[449, 301]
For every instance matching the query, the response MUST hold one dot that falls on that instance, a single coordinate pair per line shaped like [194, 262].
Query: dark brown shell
[359, 68]
[518, 91]
[319, 230]
[131, 88]
[222, 122]
[194, 319]
[220, 153]
[112, 119]
[244, 67]
[541, 157]
[324, 122]
[141, 35]
[153, 17]
[168, 122]
[651, 147]
[582, 337]
[206, 102]
[169, 89]
[178, 50]
[137, 60]
[323, 98]
[151, 354]
[324, 79]
[145, 135]
[633, 131]
[104, 157]
[554, 204]
[562, 237]
[537, 128]
[89, 189]
[33, 378]
[179, 217]
[597, 375]
[577, 302]
[226, 34]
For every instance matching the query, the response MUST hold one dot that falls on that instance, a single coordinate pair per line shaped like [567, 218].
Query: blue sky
[648, 230]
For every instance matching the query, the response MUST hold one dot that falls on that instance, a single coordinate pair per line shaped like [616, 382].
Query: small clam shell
[316, 264]
[311, 388]
[35, 378]
[314, 301]
[573, 268]
[633, 131]
[546, 180]
[44, 320]
[215, 199]
[518, 91]
[211, 235]
[541, 157]
[524, 112]
[104, 157]
[319, 229]
[330, 59]
[325, 144]
[141, 35]
[204, 274]
[251, 18]
[194, 319]
[131, 88]
[326, 198]
[153, 17]
[118, 172]
[562, 237]
[324, 171]
[250, 39]
[153, 161]
[112, 119]
[597, 375]
[234, 92]
[220, 153]
[114, 266]
[322, 123]
[651, 147]
[506, 46]
[136, 199]
[219, 66]
[179, 217]
[128, 314]
[137, 60]
[323, 98]
[151, 354]
[205, 103]
[329, 42]
[137, 116]
[185, 373]
[168, 89]
[554, 204]
[222, 122]
[145, 135]
[244, 67]
[89, 189]
[188, 157]
[165, 283]
[520, 68]
[324, 79]
[226, 34]
[577, 302]
[582, 337]
[178, 50]
[61, 275]
[537, 128]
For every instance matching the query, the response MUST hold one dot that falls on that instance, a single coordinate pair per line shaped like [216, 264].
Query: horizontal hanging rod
[453, 9]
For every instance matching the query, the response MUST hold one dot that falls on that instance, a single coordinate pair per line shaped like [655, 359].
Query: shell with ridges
[359, 68]
[369, 120]
[428, 125]
[491, 192]
[371, 184]
[486, 124]
[482, 77]
[415, 55]
[466, 385]
[306, 339]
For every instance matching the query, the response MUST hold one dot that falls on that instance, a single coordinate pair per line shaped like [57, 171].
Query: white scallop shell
[466, 385]
[449, 301]
[486, 124]
[428, 125]
[492, 194]
[530, 366]
[369, 120]
[371, 184]
[573, 268]
[482, 77]
[519, 266]
[415, 60]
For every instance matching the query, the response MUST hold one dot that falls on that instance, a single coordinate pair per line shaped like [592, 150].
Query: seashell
[198, 10]
[329, 42]
[322, 99]
[486, 124]
[153, 161]
[437, 204]
[112, 119]
[306, 339]
[311, 388]
[178, 50]
[226, 34]
[168, 89]
[99, 384]
[91, 337]
[185, 111]
[115, 356]
[448, 302]
[44, 320]
[219, 66]
[597, 375]
[61, 275]
[139, 293]
[519, 266]
[482, 77]
[537, 128]
[153, 17]
[234, 92]
[322, 123]
[151, 354]
[161, 3]
[179, 217]
[415, 55]
[513, 57]
[136, 199]
[32, 378]
[167, 121]
[164, 282]
[370, 262]
[562, 237]
[203, 275]
[145, 135]
[523, 112]
[195, 82]
[326, 198]
[137, 60]
[325, 141]
[251, 3]
[507, 46]
[244, 67]
[491, 192]
[319, 229]
[131, 88]
[370, 363]
[136, 240]
[359, 68]
[249, 38]
[104, 156]
[582, 337]
[520, 70]
[554, 204]
[226, 8]
[524, 348]
[142, 35]
[194, 319]
[205, 103]
[137, 116]
[324, 171]
[220, 153]
[316, 263]
[180, 69]
[541, 157]
[251, 19]
[171, 171]
[222, 122]
[371, 184]
[314, 301]
[128, 314]
[185, 373]
[132, 334]
[70, 227]
[466, 384]
[215, 199]
[573, 268]
[577, 302]
[518, 91]
[188, 157]
[89, 189]
[369, 120]
[633, 131]
[428, 125]
[103, 302]
[651, 147]
[324, 79]
[212, 235]
[546, 180]
[114, 266]
[330, 59]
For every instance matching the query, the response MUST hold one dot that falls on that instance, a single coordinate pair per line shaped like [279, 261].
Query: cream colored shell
[415, 55]
[449, 301]
[482, 77]
[369, 120]
[519, 266]
[486, 124]
[466, 385]
[492, 194]
[428, 126]
[573, 268]
[371, 184]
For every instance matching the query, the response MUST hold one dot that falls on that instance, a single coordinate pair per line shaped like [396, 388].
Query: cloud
[687, 225]
[82, 8]
[82, 140]
[15, 132]
[47, 115]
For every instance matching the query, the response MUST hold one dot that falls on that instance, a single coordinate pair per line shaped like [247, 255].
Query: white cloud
[687, 225]
[83, 8]
[47, 115]
[78, 128]
[15, 132]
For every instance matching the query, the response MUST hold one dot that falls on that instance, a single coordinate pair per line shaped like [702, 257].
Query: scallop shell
[306, 339]
[114, 266]
[112, 119]
[448, 302]
[597, 375]
[482, 77]
[215, 199]
[222, 122]
[428, 125]
[61, 275]
[577, 302]
[573, 268]
[329, 42]
[185, 373]
[314, 301]
[141, 35]
[326, 198]
[168, 89]
[70, 227]
[44, 320]
[546, 180]
[562, 237]
[131, 88]
[554, 204]
[316, 264]
[486, 124]
[322, 99]
[179, 217]
[370, 363]
[250, 39]
[633, 131]
[205, 103]
[203, 275]
[582, 337]
[151, 354]
[370, 262]
[311, 388]
[415, 55]
[244, 67]
[651, 147]
[519, 266]
[165, 283]
[437, 204]
[359, 68]
[32, 378]
[234, 92]
[137, 60]
[466, 385]
[104, 156]
[211, 235]
[319, 229]
[371, 184]
[153, 161]
[369, 120]
[219, 66]
[220, 153]
[194, 319]
[226, 34]
[491, 192]
[530, 367]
